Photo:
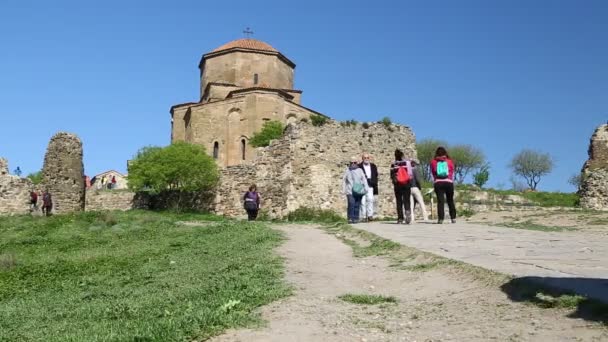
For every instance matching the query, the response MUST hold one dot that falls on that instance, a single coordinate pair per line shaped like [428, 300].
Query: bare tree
[466, 159]
[531, 165]
[426, 151]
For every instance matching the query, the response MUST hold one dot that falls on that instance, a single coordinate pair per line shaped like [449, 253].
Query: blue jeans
[354, 202]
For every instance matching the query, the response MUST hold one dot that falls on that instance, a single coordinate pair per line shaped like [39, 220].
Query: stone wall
[14, 191]
[305, 168]
[110, 200]
[594, 175]
[63, 172]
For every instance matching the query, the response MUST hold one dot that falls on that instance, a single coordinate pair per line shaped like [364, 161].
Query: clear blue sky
[501, 75]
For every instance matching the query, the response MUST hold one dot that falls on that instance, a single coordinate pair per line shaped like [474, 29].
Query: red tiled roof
[247, 43]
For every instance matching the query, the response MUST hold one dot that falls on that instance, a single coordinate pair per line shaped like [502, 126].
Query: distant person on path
[401, 184]
[371, 174]
[354, 186]
[33, 201]
[252, 202]
[113, 182]
[416, 194]
[47, 203]
[442, 169]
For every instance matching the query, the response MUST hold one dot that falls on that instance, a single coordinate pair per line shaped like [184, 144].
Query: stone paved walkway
[575, 261]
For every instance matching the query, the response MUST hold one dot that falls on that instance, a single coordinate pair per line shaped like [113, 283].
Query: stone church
[243, 84]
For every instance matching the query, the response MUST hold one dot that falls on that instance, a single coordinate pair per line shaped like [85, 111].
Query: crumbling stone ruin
[304, 168]
[594, 186]
[14, 191]
[63, 173]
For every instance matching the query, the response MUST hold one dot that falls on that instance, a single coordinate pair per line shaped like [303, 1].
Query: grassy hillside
[136, 276]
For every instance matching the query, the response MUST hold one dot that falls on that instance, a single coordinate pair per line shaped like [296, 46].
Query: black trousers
[443, 190]
[252, 214]
[402, 196]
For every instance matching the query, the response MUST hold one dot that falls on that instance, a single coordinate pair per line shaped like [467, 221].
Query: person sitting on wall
[252, 202]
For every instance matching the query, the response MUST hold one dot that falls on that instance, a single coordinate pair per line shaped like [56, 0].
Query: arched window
[255, 78]
[243, 146]
[216, 150]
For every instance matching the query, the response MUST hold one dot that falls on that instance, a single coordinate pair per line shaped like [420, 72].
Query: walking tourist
[47, 203]
[252, 202]
[33, 201]
[401, 185]
[354, 186]
[416, 193]
[371, 174]
[442, 169]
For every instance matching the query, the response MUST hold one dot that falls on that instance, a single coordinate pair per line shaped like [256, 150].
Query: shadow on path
[589, 296]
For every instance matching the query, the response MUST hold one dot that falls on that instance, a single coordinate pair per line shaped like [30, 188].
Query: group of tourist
[47, 202]
[104, 182]
[360, 185]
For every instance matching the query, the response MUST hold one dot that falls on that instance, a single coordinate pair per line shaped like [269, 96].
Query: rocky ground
[439, 304]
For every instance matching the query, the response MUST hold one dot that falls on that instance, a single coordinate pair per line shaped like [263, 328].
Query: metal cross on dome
[248, 32]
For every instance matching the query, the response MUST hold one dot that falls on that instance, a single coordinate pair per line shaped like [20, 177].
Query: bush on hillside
[318, 120]
[271, 130]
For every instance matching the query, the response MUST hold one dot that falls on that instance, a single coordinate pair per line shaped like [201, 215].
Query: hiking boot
[351, 221]
[370, 219]
[453, 220]
[399, 221]
[408, 218]
[440, 222]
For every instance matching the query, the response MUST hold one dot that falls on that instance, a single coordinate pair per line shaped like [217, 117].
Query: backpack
[402, 176]
[442, 169]
[358, 188]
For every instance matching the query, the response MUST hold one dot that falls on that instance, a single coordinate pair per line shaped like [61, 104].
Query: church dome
[246, 43]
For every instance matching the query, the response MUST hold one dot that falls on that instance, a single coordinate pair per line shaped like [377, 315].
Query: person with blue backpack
[442, 169]
[400, 175]
[354, 186]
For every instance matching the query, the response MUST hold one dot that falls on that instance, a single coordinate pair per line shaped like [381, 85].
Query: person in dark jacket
[252, 202]
[402, 191]
[442, 169]
[371, 173]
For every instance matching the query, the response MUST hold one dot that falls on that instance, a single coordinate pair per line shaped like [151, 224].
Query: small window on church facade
[243, 147]
[216, 150]
[255, 78]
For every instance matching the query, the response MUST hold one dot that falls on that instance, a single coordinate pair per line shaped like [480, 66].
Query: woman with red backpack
[442, 169]
[401, 184]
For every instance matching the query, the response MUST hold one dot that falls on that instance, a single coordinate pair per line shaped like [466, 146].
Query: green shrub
[35, 177]
[386, 121]
[314, 215]
[270, 131]
[365, 125]
[466, 212]
[318, 120]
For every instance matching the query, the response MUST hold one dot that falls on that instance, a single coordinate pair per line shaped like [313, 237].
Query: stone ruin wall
[14, 191]
[97, 200]
[63, 171]
[594, 175]
[305, 167]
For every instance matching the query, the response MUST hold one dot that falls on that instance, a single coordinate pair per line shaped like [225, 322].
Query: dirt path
[437, 305]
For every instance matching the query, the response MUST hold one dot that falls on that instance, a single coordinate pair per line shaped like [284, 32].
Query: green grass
[367, 299]
[134, 276]
[540, 198]
[305, 214]
[535, 226]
